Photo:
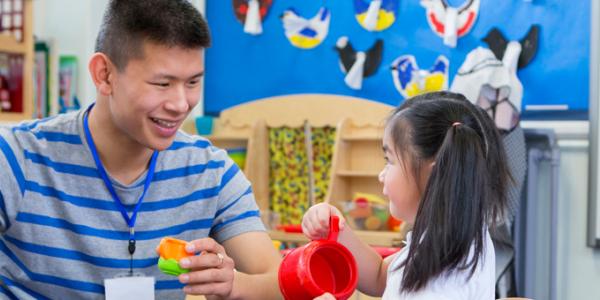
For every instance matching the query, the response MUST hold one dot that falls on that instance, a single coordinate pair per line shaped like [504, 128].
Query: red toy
[319, 267]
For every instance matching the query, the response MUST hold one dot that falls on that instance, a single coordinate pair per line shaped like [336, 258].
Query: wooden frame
[357, 157]
[9, 44]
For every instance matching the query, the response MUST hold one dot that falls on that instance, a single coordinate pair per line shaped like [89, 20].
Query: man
[86, 197]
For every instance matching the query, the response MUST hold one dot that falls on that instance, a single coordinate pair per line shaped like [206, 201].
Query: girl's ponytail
[465, 191]
[446, 226]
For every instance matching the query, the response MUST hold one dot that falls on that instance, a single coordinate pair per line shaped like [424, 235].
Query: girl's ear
[431, 165]
[101, 71]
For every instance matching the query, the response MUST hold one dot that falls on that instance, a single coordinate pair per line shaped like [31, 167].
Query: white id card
[127, 288]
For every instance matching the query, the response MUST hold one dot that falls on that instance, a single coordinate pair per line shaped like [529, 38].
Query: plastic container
[321, 266]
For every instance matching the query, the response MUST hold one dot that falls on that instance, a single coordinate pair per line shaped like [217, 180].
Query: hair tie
[456, 124]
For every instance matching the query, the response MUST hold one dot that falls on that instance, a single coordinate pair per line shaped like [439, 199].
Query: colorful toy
[171, 251]
[297, 228]
[393, 224]
[367, 212]
[318, 267]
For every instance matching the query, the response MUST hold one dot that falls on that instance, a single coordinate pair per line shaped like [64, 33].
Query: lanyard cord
[130, 221]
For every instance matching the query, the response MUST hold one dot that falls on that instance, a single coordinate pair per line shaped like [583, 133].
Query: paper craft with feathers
[411, 81]
[303, 33]
[529, 44]
[448, 22]
[357, 64]
[251, 13]
[377, 15]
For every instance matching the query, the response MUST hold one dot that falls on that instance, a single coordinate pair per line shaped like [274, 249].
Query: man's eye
[161, 84]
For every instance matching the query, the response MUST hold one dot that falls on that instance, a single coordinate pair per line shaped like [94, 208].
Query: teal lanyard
[129, 220]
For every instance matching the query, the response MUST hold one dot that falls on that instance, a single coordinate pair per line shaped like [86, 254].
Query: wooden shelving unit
[351, 173]
[357, 155]
[10, 45]
[376, 238]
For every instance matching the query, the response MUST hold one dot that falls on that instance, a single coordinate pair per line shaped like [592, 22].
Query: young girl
[446, 174]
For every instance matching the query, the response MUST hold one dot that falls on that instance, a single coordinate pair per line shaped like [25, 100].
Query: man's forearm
[255, 286]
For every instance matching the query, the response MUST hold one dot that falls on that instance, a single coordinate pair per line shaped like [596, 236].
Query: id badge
[129, 287]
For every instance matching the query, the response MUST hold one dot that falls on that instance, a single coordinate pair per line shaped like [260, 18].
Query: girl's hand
[315, 223]
[326, 296]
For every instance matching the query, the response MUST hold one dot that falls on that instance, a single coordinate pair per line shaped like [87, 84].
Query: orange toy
[171, 251]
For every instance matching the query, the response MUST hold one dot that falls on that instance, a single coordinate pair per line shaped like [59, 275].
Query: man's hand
[211, 271]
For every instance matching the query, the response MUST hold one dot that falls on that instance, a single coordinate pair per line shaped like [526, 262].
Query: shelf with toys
[352, 167]
[16, 60]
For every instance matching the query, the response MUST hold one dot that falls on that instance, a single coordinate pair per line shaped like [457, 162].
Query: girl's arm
[372, 270]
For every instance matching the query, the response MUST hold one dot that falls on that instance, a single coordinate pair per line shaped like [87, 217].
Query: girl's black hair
[466, 190]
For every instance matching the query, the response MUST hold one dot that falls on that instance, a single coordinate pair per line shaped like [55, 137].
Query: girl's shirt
[456, 285]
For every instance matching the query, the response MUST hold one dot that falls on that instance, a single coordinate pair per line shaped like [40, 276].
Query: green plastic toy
[171, 251]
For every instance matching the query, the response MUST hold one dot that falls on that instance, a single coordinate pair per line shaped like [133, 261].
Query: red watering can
[321, 266]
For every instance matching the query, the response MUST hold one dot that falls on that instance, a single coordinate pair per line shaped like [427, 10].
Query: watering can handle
[334, 228]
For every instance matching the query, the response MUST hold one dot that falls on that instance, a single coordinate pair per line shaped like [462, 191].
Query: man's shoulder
[186, 142]
[59, 126]
[194, 148]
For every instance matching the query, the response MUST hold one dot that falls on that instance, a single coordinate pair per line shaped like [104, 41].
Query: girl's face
[399, 184]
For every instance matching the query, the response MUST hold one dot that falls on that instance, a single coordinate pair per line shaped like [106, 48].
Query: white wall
[578, 265]
[71, 26]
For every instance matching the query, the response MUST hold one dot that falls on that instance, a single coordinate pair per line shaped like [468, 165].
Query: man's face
[153, 95]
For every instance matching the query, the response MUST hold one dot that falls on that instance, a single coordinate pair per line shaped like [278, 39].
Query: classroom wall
[578, 266]
[233, 59]
[72, 27]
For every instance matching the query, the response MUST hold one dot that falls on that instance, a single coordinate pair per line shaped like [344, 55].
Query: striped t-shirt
[61, 232]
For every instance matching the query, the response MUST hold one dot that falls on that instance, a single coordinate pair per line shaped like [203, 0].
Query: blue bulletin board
[241, 67]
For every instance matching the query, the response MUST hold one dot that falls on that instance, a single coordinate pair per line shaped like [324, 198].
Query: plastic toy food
[171, 251]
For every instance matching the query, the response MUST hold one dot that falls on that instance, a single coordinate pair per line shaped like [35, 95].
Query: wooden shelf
[8, 43]
[380, 238]
[348, 173]
[361, 138]
[374, 238]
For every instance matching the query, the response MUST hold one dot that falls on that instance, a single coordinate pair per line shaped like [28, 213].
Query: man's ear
[102, 72]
